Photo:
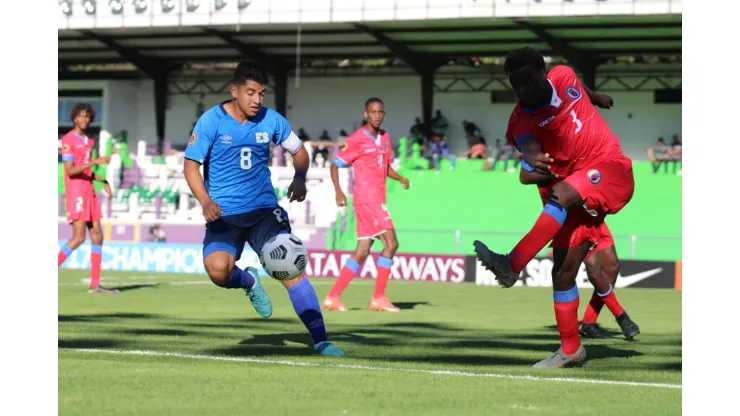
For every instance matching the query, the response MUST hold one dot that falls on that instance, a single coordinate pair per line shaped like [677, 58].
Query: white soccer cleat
[560, 359]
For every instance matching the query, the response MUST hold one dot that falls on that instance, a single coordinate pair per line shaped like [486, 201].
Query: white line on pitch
[374, 368]
[85, 282]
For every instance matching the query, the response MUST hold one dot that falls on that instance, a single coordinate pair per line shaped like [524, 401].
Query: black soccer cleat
[498, 264]
[629, 327]
[592, 330]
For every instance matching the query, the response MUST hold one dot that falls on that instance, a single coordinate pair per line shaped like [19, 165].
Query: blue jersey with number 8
[235, 157]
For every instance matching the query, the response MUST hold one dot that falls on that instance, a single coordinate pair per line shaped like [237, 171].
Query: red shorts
[84, 208]
[579, 227]
[372, 220]
[606, 187]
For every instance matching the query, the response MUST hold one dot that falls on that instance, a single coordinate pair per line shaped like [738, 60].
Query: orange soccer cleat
[333, 303]
[382, 304]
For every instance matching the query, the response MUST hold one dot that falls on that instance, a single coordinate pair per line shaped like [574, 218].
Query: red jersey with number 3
[369, 156]
[77, 149]
[569, 128]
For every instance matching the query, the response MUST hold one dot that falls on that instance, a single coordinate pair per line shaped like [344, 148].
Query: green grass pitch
[178, 345]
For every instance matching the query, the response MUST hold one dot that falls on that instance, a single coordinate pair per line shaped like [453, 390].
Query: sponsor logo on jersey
[547, 121]
[193, 138]
[573, 93]
[594, 176]
[225, 139]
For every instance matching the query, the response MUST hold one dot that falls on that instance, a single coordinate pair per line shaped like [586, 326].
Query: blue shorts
[256, 227]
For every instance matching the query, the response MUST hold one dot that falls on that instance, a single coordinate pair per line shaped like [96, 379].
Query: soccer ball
[284, 257]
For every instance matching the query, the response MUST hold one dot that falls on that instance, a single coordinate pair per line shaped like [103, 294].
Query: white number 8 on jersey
[246, 158]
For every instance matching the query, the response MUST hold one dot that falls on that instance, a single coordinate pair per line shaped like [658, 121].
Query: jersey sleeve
[202, 138]
[284, 135]
[562, 77]
[67, 155]
[390, 149]
[347, 155]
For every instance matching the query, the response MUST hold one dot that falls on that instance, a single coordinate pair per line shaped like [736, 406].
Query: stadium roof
[582, 41]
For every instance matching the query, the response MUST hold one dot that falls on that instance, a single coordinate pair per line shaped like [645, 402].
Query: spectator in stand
[659, 154]
[439, 126]
[478, 150]
[417, 132]
[321, 147]
[472, 133]
[676, 153]
[303, 135]
[504, 153]
[157, 234]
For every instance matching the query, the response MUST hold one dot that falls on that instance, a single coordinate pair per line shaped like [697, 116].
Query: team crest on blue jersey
[594, 176]
[573, 93]
[193, 138]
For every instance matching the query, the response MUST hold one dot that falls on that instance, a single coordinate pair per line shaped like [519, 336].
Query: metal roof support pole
[280, 80]
[160, 109]
[427, 97]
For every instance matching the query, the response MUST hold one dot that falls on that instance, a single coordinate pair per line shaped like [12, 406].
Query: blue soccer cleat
[328, 349]
[257, 295]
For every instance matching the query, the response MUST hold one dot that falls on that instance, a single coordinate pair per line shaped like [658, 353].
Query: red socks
[96, 256]
[566, 315]
[593, 309]
[598, 300]
[63, 254]
[384, 272]
[611, 302]
[548, 224]
[345, 276]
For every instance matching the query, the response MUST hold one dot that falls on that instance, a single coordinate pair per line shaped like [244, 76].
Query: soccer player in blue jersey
[232, 142]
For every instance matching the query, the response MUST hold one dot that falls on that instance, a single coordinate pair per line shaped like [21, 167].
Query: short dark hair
[521, 57]
[80, 107]
[372, 100]
[250, 70]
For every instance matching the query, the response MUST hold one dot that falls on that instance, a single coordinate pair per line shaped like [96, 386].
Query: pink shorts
[83, 208]
[372, 220]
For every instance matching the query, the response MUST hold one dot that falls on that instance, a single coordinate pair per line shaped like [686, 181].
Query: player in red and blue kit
[83, 208]
[368, 152]
[232, 141]
[561, 133]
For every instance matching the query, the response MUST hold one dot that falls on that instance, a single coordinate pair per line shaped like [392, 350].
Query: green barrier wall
[494, 207]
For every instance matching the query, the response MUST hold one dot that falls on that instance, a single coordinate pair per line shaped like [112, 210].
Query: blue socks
[306, 306]
[239, 279]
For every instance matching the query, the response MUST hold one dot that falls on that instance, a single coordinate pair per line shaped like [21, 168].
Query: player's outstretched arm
[395, 175]
[532, 177]
[532, 157]
[600, 100]
[297, 189]
[211, 210]
[73, 170]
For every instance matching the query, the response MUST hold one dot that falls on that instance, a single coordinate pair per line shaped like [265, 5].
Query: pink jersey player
[369, 157]
[82, 203]
[368, 151]
[83, 208]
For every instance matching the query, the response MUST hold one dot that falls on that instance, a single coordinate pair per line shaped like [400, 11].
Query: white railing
[78, 14]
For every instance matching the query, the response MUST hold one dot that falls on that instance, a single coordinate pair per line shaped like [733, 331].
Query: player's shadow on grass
[134, 287]
[105, 317]
[156, 331]
[89, 343]
[409, 305]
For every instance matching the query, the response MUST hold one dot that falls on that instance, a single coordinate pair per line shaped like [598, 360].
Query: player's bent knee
[96, 237]
[392, 245]
[219, 267]
[614, 269]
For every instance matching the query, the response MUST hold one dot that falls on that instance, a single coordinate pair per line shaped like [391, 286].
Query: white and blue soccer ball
[284, 257]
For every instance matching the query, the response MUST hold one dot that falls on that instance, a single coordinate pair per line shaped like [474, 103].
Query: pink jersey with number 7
[369, 156]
